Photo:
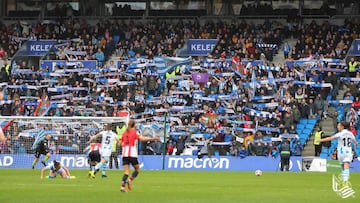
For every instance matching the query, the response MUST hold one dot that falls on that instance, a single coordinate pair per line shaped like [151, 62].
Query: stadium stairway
[279, 58]
[328, 129]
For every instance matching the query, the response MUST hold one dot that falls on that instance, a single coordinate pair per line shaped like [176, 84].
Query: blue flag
[271, 79]
[253, 83]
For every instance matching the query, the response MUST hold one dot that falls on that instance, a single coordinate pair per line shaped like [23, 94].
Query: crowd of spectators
[238, 100]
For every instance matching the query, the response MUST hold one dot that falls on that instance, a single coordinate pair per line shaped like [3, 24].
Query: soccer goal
[69, 134]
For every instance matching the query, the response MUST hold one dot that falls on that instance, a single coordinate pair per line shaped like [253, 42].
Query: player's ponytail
[346, 125]
[131, 125]
[56, 164]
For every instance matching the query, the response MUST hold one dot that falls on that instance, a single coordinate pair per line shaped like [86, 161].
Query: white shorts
[105, 152]
[345, 155]
[105, 155]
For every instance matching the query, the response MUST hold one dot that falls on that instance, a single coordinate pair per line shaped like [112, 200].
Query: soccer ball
[258, 172]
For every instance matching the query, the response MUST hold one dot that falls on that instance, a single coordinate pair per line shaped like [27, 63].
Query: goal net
[69, 134]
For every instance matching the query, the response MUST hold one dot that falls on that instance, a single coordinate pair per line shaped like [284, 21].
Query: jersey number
[107, 140]
[347, 142]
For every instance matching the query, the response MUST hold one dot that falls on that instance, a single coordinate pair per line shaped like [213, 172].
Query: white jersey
[108, 137]
[345, 139]
[52, 168]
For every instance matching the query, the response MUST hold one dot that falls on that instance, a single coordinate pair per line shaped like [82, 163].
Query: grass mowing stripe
[173, 186]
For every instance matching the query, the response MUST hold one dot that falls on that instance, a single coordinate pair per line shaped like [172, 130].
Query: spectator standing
[180, 145]
[285, 155]
[243, 152]
[352, 65]
[318, 145]
[100, 56]
[286, 49]
[298, 149]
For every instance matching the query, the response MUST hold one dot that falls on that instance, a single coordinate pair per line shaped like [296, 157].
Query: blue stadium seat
[300, 126]
[325, 150]
[303, 121]
[216, 153]
[298, 131]
[310, 126]
[303, 136]
[307, 131]
[302, 141]
[323, 155]
[332, 148]
[312, 121]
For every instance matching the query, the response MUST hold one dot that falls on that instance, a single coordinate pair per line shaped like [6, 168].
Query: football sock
[45, 159]
[345, 174]
[124, 179]
[103, 169]
[134, 175]
[34, 163]
[98, 166]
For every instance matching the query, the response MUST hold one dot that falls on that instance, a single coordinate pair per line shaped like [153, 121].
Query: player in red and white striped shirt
[94, 156]
[129, 142]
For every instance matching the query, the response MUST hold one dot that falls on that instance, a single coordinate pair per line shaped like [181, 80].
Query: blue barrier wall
[171, 162]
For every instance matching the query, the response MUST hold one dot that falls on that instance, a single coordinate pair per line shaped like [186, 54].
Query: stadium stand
[246, 99]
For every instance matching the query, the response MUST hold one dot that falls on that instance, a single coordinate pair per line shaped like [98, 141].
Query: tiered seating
[304, 129]
[327, 152]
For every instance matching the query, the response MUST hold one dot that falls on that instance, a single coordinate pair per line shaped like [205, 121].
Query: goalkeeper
[41, 146]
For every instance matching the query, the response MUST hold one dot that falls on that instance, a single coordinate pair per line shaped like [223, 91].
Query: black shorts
[130, 160]
[94, 156]
[39, 152]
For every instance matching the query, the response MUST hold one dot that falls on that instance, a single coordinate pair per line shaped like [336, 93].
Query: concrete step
[308, 153]
[326, 122]
[309, 148]
[326, 125]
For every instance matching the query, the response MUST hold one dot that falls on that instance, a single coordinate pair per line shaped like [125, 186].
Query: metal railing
[208, 17]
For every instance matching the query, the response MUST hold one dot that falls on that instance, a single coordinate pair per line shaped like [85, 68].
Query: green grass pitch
[25, 186]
